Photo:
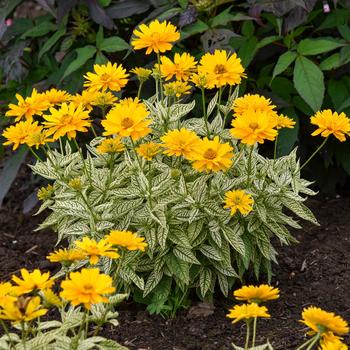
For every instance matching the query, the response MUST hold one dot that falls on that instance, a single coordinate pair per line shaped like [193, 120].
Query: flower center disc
[220, 69]
[210, 154]
[127, 123]
[254, 126]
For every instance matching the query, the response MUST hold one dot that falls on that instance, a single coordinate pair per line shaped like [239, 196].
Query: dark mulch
[314, 272]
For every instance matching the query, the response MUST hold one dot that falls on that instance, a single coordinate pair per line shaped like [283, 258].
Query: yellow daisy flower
[94, 250]
[222, 69]
[112, 145]
[148, 150]
[37, 137]
[181, 142]
[127, 119]
[17, 134]
[66, 255]
[176, 88]
[201, 80]
[331, 123]
[104, 99]
[54, 96]
[284, 122]
[87, 287]
[141, 73]
[24, 309]
[247, 311]
[253, 103]
[6, 293]
[86, 99]
[32, 105]
[321, 321]
[126, 239]
[239, 200]
[107, 76]
[257, 294]
[66, 120]
[157, 37]
[252, 127]
[212, 155]
[331, 342]
[31, 281]
[182, 67]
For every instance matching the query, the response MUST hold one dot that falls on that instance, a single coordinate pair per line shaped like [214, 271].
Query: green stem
[160, 78]
[246, 346]
[93, 130]
[275, 148]
[316, 338]
[94, 218]
[23, 337]
[136, 155]
[254, 331]
[205, 113]
[140, 89]
[313, 154]
[87, 324]
[34, 154]
[308, 342]
[81, 327]
[83, 160]
[220, 94]
[249, 170]
[61, 146]
[7, 333]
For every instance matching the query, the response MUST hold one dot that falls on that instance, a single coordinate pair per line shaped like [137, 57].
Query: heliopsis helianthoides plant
[254, 296]
[192, 188]
[85, 301]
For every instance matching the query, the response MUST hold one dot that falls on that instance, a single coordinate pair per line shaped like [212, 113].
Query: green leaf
[232, 235]
[178, 267]
[248, 50]
[185, 254]
[51, 42]
[309, 82]
[99, 36]
[267, 41]
[113, 44]
[210, 252]
[316, 46]
[9, 172]
[196, 28]
[283, 62]
[83, 54]
[204, 281]
[39, 30]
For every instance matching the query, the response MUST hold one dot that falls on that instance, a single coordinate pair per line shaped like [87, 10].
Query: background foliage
[296, 53]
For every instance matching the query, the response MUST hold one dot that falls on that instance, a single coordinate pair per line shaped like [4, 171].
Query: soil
[314, 272]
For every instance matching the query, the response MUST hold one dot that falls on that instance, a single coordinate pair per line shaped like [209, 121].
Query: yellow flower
[252, 127]
[239, 200]
[6, 293]
[182, 67]
[127, 119]
[112, 145]
[247, 311]
[157, 37]
[256, 294]
[18, 133]
[87, 287]
[148, 150]
[37, 137]
[142, 73]
[212, 155]
[66, 255]
[331, 342]
[107, 76]
[127, 239]
[24, 309]
[201, 80]
[329, 123]
[86, 98]
[31, 281]
[75, 184]
[54, 96]
[67, 120]
[181, 142]
[45, 193]
[104, 99]
[284, 122]
[95, 250]
[253, 103]
[321, 321]
[28, 107]
[176, 88]
[221, 68]
[50, 298]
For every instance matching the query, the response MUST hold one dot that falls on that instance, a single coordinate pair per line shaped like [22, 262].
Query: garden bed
[315, 272]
